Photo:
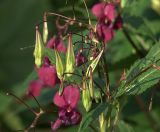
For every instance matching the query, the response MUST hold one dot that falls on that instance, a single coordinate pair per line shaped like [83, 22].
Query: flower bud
[86, 98]
[102, 123]
[97, 95]
[39, 48]
[59, 65]
[45, 29]
[70, 57]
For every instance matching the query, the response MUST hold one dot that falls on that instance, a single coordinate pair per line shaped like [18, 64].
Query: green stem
[89, 20]
[106, 76]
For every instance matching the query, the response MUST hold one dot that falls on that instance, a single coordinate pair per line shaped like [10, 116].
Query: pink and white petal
[71, 95]
[109, 12]
[56, 124]
[59, 100]
[98, 10]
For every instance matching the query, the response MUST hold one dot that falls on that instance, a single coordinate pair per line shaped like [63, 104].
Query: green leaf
[13, 121]
[50, 54]
[123, 127]
[142, 75]
[91, 116]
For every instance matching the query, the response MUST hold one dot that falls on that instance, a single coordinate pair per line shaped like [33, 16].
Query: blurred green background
[17, 30]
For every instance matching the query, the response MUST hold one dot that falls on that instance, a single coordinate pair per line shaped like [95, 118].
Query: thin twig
[21, 101]
[106, 76]
[68, 18]
[34, 123]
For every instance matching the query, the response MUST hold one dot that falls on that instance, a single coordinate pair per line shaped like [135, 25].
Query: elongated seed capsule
[39, 48]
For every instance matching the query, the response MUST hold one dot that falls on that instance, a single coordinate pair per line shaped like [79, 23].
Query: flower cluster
[84, 58]
[67, 103]
[108, 20]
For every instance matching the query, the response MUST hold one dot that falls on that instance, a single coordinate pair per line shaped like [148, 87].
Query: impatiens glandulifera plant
[77, 69]
[67, 103]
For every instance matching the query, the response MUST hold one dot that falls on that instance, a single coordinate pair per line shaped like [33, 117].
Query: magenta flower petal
[71, 95]
[56, 125]
[35, 87]
[68, 114]
[59, 101]
[69, 98]
[105, 31]
[69, 118]
[99, 31]
[109, 12]
[60, 46]
[98, 10]
[51, 43]
[56, 43]
[48, 75]
[108, 33]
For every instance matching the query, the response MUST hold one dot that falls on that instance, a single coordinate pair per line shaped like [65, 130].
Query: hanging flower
[57, 43]
[67, 103]
[35, 88]
[107, 20]
[48, 75]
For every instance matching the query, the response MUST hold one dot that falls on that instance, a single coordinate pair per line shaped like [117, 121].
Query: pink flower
[104, 11]
[57, 43]
[48, 75]
[67, 103]
[34, 88]
[106, 14]
[105, 31]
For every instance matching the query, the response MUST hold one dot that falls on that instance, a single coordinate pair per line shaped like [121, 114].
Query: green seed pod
[86, 98]
[94, 63]
[91, 88]
[70, 57]
[59, 65]
[39, 49]
[61, 87]
[45, 29]
[102, 123]
[97, 95]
